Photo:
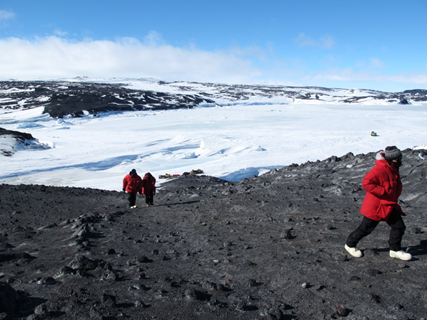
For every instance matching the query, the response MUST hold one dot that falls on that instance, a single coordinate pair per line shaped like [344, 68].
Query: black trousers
[149, 198]
[397, 231]
[131, 199]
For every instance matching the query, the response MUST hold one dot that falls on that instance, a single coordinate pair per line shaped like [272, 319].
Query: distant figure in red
[149, 188]
[132, 184]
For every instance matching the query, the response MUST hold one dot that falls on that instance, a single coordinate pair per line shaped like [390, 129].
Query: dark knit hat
[392, 153]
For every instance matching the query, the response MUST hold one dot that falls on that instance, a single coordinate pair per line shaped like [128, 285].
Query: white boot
[353, 251]
[400, 255]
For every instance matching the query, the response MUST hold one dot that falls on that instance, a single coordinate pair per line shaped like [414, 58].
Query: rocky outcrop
[78, 98]
[22, 136]
[61, 99]
[12, 141]
[17, 139]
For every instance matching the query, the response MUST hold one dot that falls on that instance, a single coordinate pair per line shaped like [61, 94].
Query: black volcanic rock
[267, 247]
[417, 94]
[65, 98]
[21, 138]
[75, 98]
[103, 98]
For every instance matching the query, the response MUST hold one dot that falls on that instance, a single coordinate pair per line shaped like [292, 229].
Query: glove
[124, 189]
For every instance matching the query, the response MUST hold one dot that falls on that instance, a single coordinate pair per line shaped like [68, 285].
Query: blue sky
[379, 44]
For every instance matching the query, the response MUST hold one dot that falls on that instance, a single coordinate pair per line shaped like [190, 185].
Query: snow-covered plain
[230, 142]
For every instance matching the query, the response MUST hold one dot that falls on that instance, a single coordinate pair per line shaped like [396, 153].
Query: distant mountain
[78, 97]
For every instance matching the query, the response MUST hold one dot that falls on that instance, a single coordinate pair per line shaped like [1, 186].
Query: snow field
[230, 142]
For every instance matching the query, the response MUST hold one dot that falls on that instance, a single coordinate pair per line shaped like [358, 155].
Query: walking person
[149, 188]
[383, 188]
[132, 184]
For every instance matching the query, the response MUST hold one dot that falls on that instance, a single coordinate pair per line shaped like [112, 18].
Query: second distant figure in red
[132, 184]
[149, 188]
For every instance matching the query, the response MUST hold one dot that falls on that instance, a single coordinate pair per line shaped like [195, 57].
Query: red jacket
[132, 184]
[148, 185]
[383, 186]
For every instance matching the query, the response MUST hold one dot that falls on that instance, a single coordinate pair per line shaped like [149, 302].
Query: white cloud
[383, 82]
[6, 15]
[376, 63]
[55, 57]
[60, 33]
[252, 51]
[154, 39]
[371, 63]
[325, 42]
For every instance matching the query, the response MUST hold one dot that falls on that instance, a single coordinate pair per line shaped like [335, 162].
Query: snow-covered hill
[229, 131]
[77, 97]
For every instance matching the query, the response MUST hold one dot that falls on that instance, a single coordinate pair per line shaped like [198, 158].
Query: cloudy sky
[379, 44]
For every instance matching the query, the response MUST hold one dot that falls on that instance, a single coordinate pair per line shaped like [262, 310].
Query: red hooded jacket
[383, 186]
[132, 184]
[148, 184]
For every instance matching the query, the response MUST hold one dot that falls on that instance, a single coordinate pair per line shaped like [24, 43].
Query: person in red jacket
[132, 184]
[149, 188]
[383, 188]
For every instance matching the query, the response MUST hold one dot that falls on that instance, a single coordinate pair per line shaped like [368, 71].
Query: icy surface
[230, 142]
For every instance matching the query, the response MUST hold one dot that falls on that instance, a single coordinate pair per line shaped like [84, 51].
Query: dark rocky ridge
[69, 98]
[65, 98]
[22, 138]
[267, 247]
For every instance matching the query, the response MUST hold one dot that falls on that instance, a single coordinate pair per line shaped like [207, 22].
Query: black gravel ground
[268, 247]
